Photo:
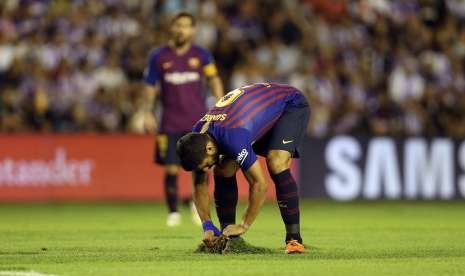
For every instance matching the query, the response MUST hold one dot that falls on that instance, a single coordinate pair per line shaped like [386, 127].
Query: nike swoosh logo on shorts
[287, 142]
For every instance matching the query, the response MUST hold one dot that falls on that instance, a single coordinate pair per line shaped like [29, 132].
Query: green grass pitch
[358, 238]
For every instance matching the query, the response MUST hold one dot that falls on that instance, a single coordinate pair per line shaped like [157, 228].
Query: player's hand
[209, 238]
[234, 230]
[210, 233]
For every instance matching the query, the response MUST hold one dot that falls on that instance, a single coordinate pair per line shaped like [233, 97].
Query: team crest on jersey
[193, 62]
[167, 65]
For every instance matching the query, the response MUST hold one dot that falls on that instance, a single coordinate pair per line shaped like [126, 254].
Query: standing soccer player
[268, 119]
[176, 73]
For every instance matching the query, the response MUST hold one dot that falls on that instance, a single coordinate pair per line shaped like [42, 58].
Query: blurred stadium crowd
[368, 67]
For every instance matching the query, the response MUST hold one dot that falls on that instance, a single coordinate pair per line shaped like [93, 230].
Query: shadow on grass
[12, 268]
[19, 252]
[240, 250]
[316, 253]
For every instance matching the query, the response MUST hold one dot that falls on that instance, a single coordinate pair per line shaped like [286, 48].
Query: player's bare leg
[226, 193]
[278, 162]
[171, 195]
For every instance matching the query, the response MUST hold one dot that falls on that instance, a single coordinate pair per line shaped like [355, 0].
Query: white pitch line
[24, 273]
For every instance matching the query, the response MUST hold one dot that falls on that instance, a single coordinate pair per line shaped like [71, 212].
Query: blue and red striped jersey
[181, 81]
[244, 115]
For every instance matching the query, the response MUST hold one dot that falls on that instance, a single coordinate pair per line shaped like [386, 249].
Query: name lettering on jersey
[182, 77]
[242, 156]
[213, 117]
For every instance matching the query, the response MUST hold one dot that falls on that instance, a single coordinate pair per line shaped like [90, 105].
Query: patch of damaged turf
[235, 246]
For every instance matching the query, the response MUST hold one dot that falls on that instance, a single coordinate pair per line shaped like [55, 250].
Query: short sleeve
[151, 72]
[208, 63]
[237, 145]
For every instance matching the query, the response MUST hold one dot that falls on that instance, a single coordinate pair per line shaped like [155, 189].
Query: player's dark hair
[183, 14]
[191, 149]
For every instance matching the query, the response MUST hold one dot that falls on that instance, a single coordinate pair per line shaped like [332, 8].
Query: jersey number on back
[229, 98]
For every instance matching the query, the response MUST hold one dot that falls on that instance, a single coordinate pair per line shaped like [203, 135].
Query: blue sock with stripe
[288, 201]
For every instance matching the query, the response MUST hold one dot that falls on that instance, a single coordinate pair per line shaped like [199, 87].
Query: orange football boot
[293, 247]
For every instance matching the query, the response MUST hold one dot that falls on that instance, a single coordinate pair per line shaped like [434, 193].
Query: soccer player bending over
[267, 119]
